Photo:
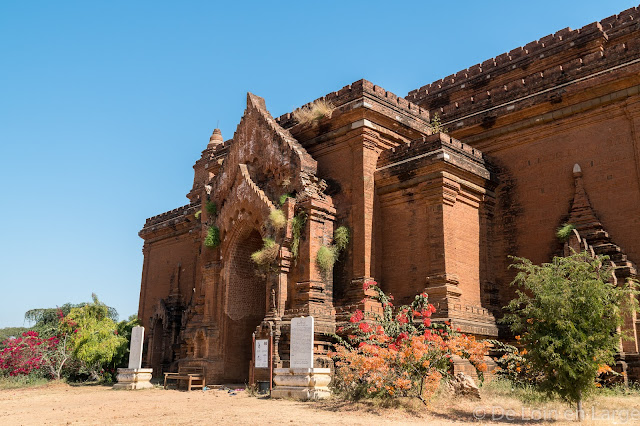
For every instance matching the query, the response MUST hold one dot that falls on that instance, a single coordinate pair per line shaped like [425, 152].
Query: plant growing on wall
[212, 208]
[212, 240]
[436, 125]
[566, 317]
[267, 254]
[314, 112]
[283, 198]
[277, 219]
[297, 227]
[564, 232]
[327, 256]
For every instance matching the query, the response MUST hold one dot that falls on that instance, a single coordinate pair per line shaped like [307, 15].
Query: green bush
[212, 240]
[95, 340]
[566, 316]
[198, 213]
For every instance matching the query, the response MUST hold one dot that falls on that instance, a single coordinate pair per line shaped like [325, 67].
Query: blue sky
[106, 105]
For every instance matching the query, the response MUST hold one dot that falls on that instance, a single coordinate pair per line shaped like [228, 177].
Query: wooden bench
[194, 376]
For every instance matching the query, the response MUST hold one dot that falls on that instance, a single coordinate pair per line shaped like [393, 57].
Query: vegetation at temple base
[95, 340]
[212, 240]
[327, 256]
[400, 352]
[512, 366]
[73, 342]
[565, 316]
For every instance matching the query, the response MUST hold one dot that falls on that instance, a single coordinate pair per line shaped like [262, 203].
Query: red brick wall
[539, 163]
[404, 245]
[161, 263]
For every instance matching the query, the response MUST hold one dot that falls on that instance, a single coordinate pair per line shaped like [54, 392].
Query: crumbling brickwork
[439, 212]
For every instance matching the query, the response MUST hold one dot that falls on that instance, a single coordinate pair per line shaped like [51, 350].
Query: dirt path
[71, 405]
[64, 404]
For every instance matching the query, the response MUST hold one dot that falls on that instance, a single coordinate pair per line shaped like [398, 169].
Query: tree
[121, 357]
[566, 317]
[95, 340]
[47, 320]
[8, 332]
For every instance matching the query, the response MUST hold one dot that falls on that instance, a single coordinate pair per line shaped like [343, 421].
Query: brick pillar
[490, 292]
[441, 284]
[142, 314]
[366, 151]
[314, 291]
[210, 281]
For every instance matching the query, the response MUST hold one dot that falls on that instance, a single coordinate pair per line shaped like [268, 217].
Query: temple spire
[215, 139]
[582, 215]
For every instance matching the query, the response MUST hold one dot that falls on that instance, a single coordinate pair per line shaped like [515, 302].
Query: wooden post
[252, 363]
[270, 363]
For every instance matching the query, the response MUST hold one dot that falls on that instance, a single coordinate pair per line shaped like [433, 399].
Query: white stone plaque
[135, 349]
[262, 353]
[302, 342]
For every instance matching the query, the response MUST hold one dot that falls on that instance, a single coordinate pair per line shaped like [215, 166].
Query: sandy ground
[72, 405]
[64, 404]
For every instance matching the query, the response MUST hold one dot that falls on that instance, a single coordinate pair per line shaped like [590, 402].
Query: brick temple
[545, 134]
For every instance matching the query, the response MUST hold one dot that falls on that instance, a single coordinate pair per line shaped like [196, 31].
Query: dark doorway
[245, 307]
[157, 348]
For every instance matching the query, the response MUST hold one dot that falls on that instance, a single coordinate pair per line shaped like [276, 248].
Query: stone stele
[135, 377]
[301, 380]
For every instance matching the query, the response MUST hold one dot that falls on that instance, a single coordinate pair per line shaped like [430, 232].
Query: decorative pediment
[269, 156]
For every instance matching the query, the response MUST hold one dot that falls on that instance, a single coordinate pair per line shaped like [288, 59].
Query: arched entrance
[245, 306]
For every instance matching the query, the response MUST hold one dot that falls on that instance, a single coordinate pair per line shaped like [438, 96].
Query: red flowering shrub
[32, 353]
[399, 353]
[21, 356]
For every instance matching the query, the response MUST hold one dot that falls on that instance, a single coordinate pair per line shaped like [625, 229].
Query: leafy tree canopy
[566, 315]
[96, 339]
[46, 319]
[7, 332]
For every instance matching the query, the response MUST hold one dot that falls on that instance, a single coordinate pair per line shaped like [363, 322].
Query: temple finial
[577, 171]
[215, 139]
